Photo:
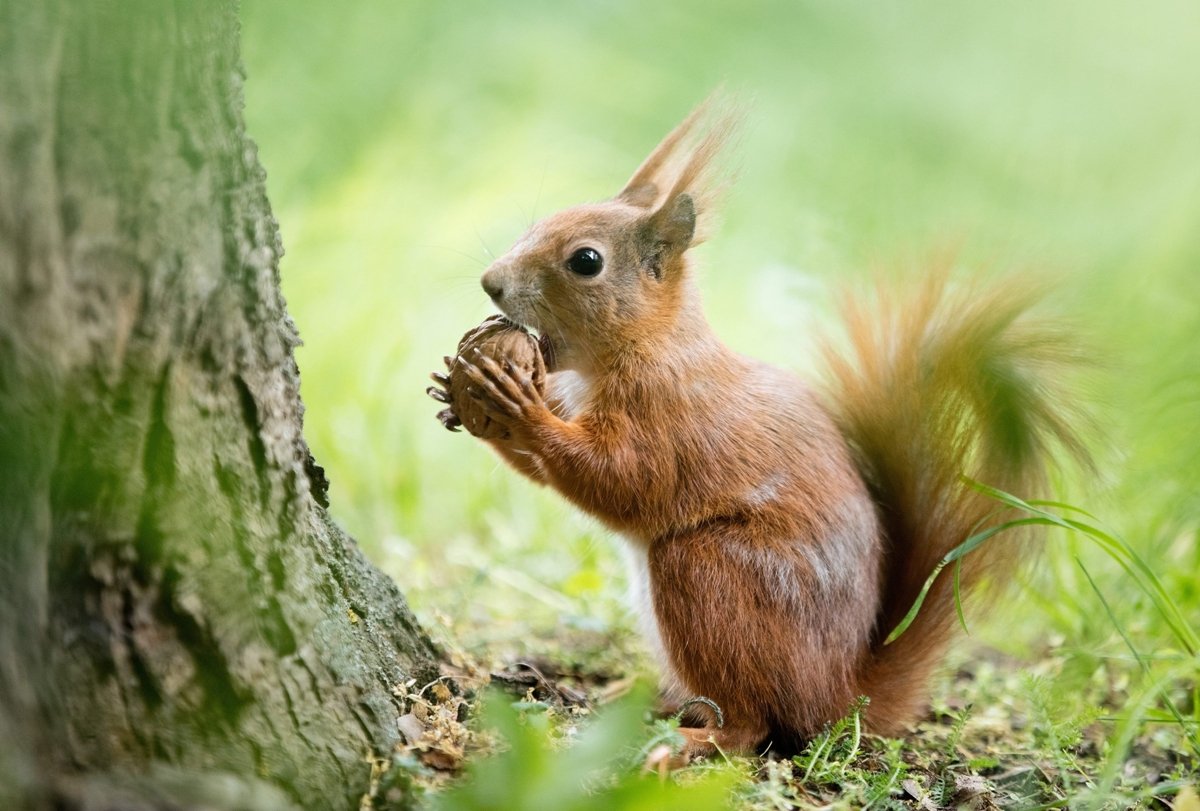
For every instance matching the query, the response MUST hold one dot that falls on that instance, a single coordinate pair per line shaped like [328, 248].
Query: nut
[499, 339]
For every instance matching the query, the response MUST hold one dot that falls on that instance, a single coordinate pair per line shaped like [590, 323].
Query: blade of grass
[953, 555]
[1117, 549]
[1062, 505]
[1136, 710]
[958, 606]
[1184, 725]
[1121, 552]
[812, 761]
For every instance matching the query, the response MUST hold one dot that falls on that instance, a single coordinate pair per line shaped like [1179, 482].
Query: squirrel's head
[599, 278]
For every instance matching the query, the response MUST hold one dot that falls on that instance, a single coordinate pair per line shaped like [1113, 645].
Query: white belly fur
[641, 600]
[568, 392]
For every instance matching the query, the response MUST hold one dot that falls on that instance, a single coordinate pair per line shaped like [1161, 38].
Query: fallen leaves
[433, 729]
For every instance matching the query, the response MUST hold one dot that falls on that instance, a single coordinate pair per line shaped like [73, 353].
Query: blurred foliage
[548, 765]
[406, 143]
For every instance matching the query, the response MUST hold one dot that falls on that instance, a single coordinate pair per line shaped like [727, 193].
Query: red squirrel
[778, 533]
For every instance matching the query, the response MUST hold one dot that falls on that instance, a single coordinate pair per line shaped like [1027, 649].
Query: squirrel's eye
[585, 262]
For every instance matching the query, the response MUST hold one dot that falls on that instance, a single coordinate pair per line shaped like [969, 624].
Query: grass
[404, 144]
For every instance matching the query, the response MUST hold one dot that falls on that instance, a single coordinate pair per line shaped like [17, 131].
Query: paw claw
[449, 420]
[505, 393]
[490, 366]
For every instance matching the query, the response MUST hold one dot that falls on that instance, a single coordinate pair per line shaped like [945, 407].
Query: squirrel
[777, 532]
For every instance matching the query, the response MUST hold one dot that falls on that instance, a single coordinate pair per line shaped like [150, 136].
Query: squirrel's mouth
[547, 347]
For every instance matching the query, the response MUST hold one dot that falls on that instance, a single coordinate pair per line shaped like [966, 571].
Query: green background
[405, 142]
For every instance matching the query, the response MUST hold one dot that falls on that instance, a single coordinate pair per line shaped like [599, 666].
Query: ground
[996, 735]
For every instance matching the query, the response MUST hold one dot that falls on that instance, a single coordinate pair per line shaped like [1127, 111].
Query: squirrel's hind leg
[742, 622]
[731, 738]
[706, 742]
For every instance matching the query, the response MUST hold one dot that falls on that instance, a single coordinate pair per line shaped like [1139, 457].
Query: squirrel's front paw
[506, 394]
[441, 393]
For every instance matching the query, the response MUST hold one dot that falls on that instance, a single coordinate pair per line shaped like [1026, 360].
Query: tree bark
[176, 601]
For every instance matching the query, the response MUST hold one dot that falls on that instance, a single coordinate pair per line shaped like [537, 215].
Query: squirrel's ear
[674, 223]
[667, 233]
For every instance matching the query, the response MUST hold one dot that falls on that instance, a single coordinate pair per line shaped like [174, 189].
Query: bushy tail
[934, 386]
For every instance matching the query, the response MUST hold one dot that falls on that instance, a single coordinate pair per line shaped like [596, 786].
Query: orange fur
[777, 534]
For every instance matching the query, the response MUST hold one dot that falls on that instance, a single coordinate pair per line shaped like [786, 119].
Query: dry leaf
[411, 728]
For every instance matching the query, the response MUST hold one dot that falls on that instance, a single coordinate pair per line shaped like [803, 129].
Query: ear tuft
[683, 165]
[641, 194]
[647, 183]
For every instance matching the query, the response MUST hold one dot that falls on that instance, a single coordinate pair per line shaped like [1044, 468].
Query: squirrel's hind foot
[703, 742]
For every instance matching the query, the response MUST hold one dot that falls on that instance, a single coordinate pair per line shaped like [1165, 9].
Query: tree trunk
[176, 601]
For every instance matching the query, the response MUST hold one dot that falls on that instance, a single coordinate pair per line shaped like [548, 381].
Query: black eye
[585, 262]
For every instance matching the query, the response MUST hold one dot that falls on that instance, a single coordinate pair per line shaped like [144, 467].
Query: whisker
[459, 288]
[538, 197]
[463, 254]
[554, 322]
[483, 244]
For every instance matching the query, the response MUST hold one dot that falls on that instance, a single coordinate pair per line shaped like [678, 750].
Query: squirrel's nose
[492, 286]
